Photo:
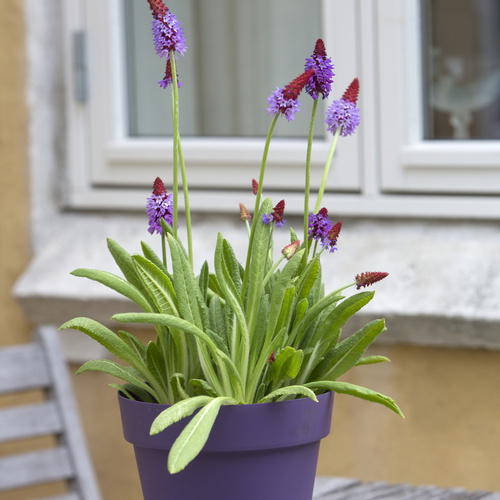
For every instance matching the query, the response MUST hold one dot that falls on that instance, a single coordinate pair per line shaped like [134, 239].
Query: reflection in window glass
[238, 53]
[463, 69]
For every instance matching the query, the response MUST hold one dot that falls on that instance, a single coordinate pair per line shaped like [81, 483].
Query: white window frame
[385, 169]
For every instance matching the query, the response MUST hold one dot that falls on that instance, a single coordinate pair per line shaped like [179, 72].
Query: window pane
[239, 51]
[463, 69]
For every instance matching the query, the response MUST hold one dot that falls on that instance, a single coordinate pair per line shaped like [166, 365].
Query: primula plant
[234, 333]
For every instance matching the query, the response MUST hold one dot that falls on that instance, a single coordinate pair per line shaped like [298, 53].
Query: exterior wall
[14, 173]
[450, 437]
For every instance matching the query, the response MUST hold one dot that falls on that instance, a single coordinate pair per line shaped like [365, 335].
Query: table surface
[337, 488]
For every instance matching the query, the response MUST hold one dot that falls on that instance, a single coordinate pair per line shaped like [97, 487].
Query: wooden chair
[33, 366]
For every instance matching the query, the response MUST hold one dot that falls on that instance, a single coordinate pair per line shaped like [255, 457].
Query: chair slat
[28, 421]
[23, 367]
[27, 469]
[69, 496]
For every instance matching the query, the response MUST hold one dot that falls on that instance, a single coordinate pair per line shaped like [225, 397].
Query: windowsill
[442, 290]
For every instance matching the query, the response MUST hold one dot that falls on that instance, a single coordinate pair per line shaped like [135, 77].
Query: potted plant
[237, 389]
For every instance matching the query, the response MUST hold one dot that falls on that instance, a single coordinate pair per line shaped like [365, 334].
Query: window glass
[238, 53]
[462, 55]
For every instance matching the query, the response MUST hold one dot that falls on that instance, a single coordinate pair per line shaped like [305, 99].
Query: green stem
[307, 186]
[327, 170]
[257, 203]
[186, 203]
[175, 121]
[271, 271]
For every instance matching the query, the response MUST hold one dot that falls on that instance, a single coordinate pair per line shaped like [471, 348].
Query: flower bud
[365, 279]
[289, 250]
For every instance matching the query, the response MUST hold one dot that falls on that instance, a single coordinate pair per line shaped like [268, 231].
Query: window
[405, 160]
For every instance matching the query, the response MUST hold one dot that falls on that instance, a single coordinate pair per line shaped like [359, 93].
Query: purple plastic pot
[263, 451]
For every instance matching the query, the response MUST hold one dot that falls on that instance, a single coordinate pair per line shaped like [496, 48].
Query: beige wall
[14, 176]
[451, 435]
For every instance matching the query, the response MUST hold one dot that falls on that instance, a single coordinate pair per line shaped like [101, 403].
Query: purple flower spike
[344, 113]
[159, 206]
[319, 226]
[276, 215]
[321, 81]
[167, 79]
[168, 35]
[285, 100]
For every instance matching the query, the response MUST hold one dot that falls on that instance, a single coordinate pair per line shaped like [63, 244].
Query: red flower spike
[334, 232]
[289, 250]
[158, 187]
[271, 358]
[255, 186]
[365, 279]
[158, 8]
[294, 88]
[319, 48]
[244, 213]
[352, 92]
[279, 208]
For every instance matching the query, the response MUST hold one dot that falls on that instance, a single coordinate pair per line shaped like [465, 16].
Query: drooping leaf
[116, 370]
[290, 390]
[176, 412]
[357, 391]
[202, 387]
[117, 284]
[124, 261]
[370, 360]
[347, 353]
[194, 436]
[114, 344]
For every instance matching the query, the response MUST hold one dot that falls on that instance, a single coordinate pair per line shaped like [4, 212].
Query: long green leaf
[290, 390]
[116, 370]
[357, 391]
[158, 285]
[114, 344]
[287, 364]
[346, 354]
[194, 436]
[116, 283]
[124, 261]
[177, 412]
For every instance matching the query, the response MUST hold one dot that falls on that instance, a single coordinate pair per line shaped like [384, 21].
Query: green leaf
[201, 386]
[155, 363]
[346, 354]
[124, 261]
[177, 412]
[287, 364]
[189, 299]
[357, 391]
[158, 285]
[291, 390]
[178, 381]
[203, 280]
[114, 344]
[370, 360]
[116, 283]
[116, 370]
[338, 317]
[134, 343]
[134, 392]
[150, 254]
[194, 436]
[283, 282]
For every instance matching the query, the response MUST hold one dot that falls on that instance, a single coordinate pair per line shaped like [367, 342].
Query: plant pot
[254, 452]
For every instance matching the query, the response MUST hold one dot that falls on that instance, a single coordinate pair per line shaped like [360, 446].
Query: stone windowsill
[443, 288]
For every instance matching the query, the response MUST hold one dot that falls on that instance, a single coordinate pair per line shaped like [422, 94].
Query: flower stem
[327, 170]
[175, 121]
[179, 157]
[307, 186]
[257, 202]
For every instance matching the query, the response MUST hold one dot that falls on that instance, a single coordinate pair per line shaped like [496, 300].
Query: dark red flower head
[294, 88]
[365, 279]
[158, 8]
[352, 92]
[255, 186]
[158, 187]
